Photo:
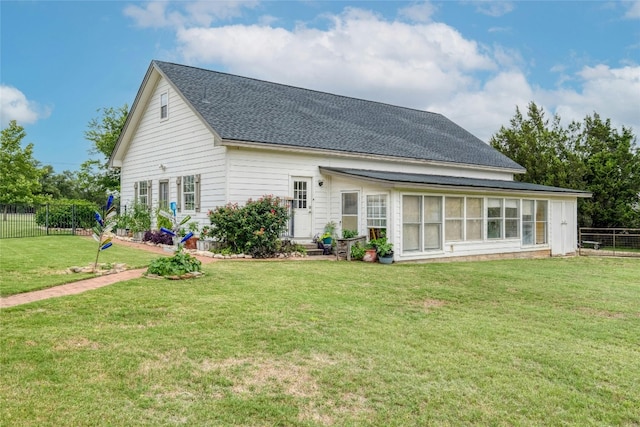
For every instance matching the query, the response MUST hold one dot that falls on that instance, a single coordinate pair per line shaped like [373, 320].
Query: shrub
[348, 234]
[357, 251]
[253, 229]
[67, 214]
[157, 237]
[140, 218]
[179, 264]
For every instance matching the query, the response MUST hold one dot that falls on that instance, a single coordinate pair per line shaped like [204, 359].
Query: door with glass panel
[301, 204]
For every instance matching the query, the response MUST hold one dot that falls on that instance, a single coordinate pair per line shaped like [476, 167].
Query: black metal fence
[609, 241]
[44, 220]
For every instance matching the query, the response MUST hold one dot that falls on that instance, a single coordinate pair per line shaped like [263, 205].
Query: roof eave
[457, 188]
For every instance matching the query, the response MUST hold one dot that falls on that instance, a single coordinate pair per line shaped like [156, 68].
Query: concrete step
[312, 249]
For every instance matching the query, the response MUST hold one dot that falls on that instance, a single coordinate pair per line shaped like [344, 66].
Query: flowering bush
[254, 228]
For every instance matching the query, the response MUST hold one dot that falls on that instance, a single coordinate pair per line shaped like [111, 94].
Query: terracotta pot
[191, 243]
[370, 256]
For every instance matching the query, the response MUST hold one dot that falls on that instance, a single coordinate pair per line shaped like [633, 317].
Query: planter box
[204, 245]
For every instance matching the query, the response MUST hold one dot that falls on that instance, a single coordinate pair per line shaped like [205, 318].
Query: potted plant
[204, 243]
[193, 227]
[123, 224]
[384, 250]
[370, 253]
[329, 232]
[140, 220]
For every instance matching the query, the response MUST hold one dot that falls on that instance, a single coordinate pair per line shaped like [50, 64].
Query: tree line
[24, 179]
[590, 155]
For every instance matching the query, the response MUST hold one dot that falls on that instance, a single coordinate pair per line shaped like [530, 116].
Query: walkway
[89, 284]
[99, 281]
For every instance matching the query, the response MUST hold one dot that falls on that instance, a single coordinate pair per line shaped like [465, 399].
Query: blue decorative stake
[175, 227]
[102, 227]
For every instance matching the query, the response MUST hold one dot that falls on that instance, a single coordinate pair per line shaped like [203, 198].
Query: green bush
[357, 251]
[140, 218]
[68, 213]
[177, 265]
[348, 234]
[252, 229]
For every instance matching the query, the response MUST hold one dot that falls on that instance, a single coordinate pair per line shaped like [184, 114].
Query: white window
[189, 192]
[142, 191]
[454, 219]
[511, 218]
[421, 223]
[534, 222]
[300, 194]
[164, 105]
[350, 211]
[474, 218]
[376, 215]
[495, 218]
[541, 222]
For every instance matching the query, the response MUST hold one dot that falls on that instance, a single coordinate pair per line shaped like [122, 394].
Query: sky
[475, 62]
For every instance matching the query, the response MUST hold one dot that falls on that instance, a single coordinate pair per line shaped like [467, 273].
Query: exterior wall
[253, 173]
[561, 224]
[183, 145]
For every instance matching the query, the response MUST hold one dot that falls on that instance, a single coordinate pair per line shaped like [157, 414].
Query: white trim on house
[342, 154]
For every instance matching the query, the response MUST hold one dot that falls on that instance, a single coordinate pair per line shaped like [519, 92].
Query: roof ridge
[300, 88]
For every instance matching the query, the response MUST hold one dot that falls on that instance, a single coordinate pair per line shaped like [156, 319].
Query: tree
[19, 172]
[612, 174]
[544, 149]
[103, 132]
[589, 156]
[59, 185]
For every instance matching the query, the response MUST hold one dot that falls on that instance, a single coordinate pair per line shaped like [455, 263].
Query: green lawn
[322, 343]
[33, 263]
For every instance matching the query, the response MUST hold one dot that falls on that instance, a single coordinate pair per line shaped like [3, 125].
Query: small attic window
[164, 105]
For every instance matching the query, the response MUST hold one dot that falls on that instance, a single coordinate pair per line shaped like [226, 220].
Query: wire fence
[609, 241]
[43, 220]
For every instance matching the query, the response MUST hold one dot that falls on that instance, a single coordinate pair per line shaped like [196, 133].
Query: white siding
[182, 144]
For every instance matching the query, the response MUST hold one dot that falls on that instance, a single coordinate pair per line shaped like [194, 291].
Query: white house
[204, 138]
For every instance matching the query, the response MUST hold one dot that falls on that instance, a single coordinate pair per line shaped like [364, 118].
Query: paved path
[89, 284]
[99, 281]
[71, 288]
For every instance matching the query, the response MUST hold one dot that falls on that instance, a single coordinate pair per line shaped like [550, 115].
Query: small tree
[19, 172]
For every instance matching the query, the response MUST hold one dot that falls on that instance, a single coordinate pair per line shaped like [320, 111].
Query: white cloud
[360, 54]
[158, 14]
[418, 64]
[14, 105]
[611, 92]
[494, 8]
[419, 12]
[634, 10]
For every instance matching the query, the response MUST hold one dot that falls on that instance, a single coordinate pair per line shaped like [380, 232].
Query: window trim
[164, 106]
[382, 209]
[356, 215]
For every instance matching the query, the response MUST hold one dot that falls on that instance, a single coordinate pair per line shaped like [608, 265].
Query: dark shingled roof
[449, 181]
[245, 109]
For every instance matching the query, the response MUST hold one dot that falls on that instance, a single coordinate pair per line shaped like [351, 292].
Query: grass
[33, 263]
[320, 343]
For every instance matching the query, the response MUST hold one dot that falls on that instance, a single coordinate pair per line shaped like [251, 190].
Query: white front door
[301, 208]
